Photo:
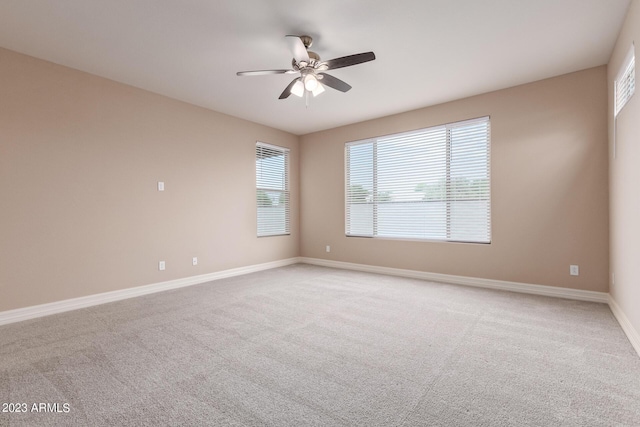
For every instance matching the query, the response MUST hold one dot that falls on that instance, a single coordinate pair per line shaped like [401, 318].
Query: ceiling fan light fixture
[310, 82]
[318, 90]
[298, 89]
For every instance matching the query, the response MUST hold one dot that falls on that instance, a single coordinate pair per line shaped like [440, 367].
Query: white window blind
[625, 84]
[431, 184]
[272, 190]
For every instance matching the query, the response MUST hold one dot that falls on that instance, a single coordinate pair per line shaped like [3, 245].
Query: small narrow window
[272, 190]
[625, 83]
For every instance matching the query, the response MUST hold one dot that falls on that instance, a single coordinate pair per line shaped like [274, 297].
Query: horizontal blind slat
[427, 184]
[625, 83]
[272, 190]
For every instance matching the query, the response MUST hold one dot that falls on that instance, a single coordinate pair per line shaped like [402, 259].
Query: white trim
[20, 314]
[35, 311]
[526, 288]
[627, 327]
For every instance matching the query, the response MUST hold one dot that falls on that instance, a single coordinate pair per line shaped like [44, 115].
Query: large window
[430, 184]
[625, 81]
[272, 190]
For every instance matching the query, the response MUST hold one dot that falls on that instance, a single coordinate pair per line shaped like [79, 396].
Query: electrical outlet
[194, 261]
[161, 266]
[160, 186]
[574, 270]
[328, 248]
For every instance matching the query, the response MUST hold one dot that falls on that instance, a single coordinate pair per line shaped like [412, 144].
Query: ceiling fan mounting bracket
[307, 41]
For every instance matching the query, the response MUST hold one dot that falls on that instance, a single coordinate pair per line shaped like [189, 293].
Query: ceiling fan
[312, 77]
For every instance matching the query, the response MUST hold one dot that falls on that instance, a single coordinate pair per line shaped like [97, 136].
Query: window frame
[449, 189]
[286, 191]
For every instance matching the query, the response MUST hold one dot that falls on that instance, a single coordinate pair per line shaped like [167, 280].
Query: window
[272, 190]
[625, 83]
[430, 184]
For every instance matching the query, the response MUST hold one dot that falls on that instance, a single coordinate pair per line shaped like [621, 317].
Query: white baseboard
[627, 327]
[575, 294]
[35, 311]
[526, 288]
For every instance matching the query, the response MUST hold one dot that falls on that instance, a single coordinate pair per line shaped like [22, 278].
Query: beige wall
[80, 157]
[79, 160]
[624, 180]
[549, 187]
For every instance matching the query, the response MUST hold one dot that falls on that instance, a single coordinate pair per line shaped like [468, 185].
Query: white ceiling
[428, 51]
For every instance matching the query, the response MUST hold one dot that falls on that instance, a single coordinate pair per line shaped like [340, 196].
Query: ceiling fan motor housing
[314, 61]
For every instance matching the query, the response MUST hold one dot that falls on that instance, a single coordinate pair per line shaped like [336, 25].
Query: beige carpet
[305, 345]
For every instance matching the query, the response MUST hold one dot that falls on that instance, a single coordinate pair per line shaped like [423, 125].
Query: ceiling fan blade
[287, 90]
[297, 48]
[347, 61]
[263, 72]
[333, 82]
